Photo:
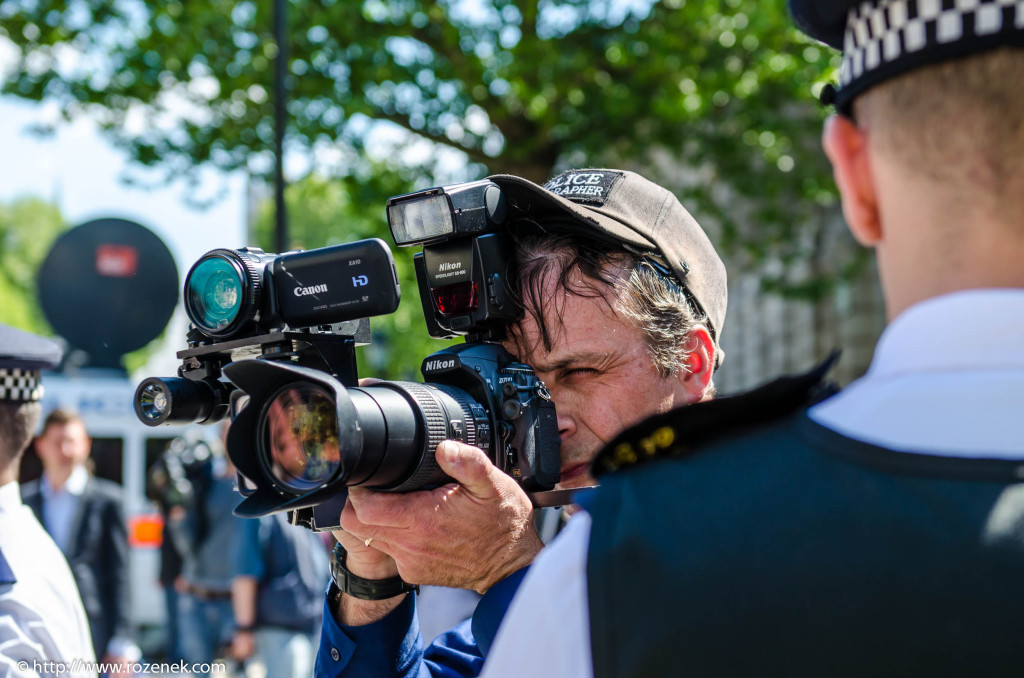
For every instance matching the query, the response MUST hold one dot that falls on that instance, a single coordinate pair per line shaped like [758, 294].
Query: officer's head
[931, 127]
[22, 356]
[624, 299]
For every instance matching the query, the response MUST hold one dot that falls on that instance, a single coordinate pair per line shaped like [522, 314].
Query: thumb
[468, 466]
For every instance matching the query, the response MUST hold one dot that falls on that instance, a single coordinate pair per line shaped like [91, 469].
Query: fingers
[469, 467]
[379, 509]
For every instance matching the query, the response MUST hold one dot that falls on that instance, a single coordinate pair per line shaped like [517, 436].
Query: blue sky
[80, 171]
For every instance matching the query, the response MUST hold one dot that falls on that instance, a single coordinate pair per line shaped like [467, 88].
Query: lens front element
[154, 401]
[300, 437]
[213, 294]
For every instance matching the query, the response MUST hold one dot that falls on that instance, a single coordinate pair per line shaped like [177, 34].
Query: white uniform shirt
[947, 378]
[41, 614]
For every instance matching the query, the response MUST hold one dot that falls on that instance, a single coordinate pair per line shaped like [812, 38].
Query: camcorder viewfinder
[273, 342]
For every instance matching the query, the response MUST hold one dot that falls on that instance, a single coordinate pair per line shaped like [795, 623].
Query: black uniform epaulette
[682, 431]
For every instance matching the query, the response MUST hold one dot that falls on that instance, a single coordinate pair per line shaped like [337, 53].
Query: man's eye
[578, 372]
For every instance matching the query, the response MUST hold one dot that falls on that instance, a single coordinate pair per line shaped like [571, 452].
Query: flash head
[446, 212]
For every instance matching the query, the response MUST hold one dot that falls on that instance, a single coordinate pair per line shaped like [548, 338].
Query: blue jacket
[394, 646]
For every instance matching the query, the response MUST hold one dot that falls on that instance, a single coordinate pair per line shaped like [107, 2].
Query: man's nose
[565, 417]
[566, 422]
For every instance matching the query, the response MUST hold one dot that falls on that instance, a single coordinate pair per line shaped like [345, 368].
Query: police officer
[877, 532]
[41, 616]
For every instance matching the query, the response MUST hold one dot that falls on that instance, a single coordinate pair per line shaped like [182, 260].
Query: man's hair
[653, 301]
[61, 417]
[960, 123]
[17, 423]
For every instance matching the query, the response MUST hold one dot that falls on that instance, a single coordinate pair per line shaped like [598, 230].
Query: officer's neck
[930, 247]
[8, 475]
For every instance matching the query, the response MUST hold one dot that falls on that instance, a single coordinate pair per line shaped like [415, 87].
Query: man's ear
[846, 146]
[695, 377]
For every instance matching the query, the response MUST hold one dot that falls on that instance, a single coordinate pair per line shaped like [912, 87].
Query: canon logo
[314, 289]
[434, 365]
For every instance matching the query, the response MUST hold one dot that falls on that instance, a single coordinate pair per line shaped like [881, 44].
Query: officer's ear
[846, 146]
[699, 366]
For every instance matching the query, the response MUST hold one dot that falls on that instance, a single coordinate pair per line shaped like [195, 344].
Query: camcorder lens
[214, 294]
[301, 437]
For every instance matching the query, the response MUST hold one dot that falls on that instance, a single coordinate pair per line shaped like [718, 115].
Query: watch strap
[364, 589]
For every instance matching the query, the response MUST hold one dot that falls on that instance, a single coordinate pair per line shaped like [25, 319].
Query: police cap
[881, 39]
[22, 356]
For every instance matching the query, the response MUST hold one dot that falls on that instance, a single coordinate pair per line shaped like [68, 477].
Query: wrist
[370, 565]
[523, 554]
[349, 611]
[361, 587]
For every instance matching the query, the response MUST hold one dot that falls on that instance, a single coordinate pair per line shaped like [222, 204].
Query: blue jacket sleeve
[393, 646]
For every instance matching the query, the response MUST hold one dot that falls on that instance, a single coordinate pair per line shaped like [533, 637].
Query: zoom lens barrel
[303, 435]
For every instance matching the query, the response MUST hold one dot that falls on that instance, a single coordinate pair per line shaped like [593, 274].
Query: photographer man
[623, 299]
[41, 613]
[878, 532]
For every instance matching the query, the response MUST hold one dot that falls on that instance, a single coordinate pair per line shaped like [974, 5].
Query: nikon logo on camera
[314, 289]
[439, 365]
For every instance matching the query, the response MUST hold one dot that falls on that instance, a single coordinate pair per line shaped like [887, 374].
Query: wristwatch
[365, 589]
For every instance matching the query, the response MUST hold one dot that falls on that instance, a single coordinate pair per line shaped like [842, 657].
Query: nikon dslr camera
[273, 340]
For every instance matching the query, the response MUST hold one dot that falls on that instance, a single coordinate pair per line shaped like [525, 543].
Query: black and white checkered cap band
[20, 386]
[887, 37]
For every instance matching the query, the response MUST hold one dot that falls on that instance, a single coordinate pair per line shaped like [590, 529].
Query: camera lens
[300, 437]
[213, 294]
[153, 401]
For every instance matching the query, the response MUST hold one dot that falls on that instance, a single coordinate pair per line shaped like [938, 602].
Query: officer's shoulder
[686, 430]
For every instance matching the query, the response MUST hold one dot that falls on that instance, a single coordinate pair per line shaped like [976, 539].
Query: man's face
[599, 373]
[63, 445]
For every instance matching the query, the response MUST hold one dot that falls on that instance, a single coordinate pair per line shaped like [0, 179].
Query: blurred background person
[164, 490]
[203, 529]
[84, 516]
[278, 596]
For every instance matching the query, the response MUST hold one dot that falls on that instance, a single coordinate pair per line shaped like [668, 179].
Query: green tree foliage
[325, 211]
[715, 99]
[28, 227]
